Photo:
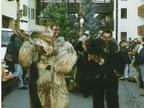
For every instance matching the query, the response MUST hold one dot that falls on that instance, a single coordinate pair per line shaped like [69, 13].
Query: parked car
[5, 39]
[6, 35]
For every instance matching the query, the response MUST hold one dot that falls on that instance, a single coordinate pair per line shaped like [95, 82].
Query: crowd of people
[116, 61]
[131, 51]
[134, 57]
[101, 62]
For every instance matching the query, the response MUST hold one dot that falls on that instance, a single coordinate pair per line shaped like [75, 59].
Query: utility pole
[81, 20]
[116, 20]
[80, 6]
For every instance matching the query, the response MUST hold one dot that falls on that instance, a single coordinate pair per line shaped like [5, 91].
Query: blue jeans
[141, 67]
[18, 73]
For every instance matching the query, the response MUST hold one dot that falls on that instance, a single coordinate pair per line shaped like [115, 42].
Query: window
[5, 22]
[123, 35]
[123, 12]
[141, 30]
[141, 10]
[25, 10]
[6, 36]
[32, 14]
[29, 12]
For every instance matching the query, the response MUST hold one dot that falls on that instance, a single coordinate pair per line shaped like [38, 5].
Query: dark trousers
[105, 89]
[85, 86]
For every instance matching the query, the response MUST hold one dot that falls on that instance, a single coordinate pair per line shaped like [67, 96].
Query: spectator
[136, 51]
[18, 71]
[124, 51]
[140, 62]
[106, 67]
[83, 66]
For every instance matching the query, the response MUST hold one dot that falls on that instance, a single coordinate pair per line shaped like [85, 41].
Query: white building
[28, 11]
[129, 19]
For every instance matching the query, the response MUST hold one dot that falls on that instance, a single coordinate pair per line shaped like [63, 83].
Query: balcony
[141, 10]
[141, 30]
[54, 1]
[103, 7]
[101, 1]
[73, 7]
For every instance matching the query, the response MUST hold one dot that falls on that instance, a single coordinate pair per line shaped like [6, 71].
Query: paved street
[42, 32]
[129, 98]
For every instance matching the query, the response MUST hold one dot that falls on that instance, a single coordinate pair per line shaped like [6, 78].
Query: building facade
[28, 13]
[99, 16]
[31, 11]
[105, 9]
[129, 19]
[8, 12]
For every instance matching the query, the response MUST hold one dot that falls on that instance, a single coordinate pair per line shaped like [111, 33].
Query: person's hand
[102, 61]
[90, 57]
[9, 76]
[118, 74]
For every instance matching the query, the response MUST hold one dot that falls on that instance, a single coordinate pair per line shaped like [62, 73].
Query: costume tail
[35, 102]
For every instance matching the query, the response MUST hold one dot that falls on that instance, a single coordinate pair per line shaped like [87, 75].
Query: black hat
[96, 47]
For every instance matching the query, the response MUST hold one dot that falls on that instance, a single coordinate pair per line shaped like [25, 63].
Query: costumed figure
[48, 59]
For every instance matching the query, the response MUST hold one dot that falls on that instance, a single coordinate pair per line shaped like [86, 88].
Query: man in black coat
[18, 70]
[84, 75]
[106, 66]
[83, 72]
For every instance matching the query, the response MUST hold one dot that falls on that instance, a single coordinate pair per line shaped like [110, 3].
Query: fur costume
[30, 50]
[48, 63]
